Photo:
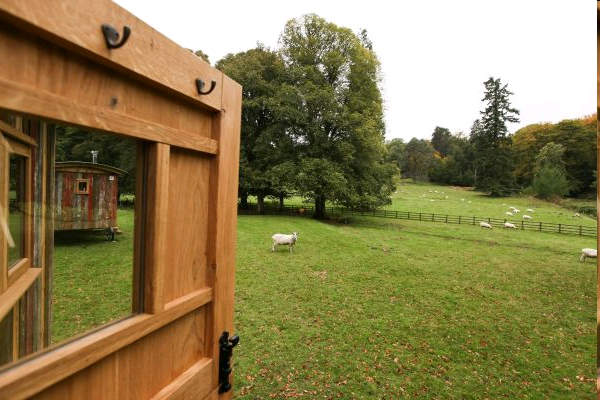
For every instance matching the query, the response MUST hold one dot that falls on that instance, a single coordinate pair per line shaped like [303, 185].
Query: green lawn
[430, 198]
[382, 308]
[391, 309]
[92, 279]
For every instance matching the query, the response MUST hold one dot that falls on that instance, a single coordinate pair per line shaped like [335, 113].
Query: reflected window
[16, 207]
[67, 255]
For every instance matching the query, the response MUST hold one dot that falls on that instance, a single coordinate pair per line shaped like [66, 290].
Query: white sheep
[591, 253]
[508, 225]
[485, 225]
[530, 210]
[525, 216]
[577, 215]
[511, 208]
[508, 213]
[282, 239]
[516, 211]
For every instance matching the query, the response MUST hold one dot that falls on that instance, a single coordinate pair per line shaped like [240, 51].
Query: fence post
[473, 220]
[446, 218]
[396, 214]
[540, 226]
[419, 216]
[459, 219]
[522, 225]
[579, 230]
[432, 217]
[559, 228]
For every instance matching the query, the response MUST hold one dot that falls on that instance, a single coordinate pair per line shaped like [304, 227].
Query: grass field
[390, 309]
[383, 309]
[430, 198]
[92, 279]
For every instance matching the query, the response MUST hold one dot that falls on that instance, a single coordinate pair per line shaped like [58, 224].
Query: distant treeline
[539, 156]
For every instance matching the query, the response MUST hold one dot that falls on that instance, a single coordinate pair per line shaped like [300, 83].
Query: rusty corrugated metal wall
[92, 210]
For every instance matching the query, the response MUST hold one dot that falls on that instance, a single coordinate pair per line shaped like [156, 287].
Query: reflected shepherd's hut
[85, 195]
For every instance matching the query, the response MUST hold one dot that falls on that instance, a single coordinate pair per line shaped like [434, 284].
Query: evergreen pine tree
[494, 159]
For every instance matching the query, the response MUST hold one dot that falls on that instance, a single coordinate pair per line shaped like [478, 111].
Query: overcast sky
[435, 55]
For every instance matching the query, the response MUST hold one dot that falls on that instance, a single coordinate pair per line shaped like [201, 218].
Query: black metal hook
[200, 86]
[111, 36]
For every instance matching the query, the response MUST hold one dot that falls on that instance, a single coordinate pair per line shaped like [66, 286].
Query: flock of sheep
[585, 253]
[281, 239]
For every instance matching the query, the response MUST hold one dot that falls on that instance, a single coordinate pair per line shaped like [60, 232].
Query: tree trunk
[320, 207]
[244, 201]
[281, 201]
[260, 203]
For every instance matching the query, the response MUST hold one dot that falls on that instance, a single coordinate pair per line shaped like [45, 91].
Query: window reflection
[67, 258]
[16, 206]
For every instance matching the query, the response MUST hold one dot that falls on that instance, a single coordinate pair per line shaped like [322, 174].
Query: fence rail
[430, 217]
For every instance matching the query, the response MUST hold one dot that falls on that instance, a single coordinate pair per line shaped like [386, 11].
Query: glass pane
[16, 206]
[93, 233]
[73, 226]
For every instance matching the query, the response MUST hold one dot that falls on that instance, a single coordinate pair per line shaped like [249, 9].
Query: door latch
[226, 345]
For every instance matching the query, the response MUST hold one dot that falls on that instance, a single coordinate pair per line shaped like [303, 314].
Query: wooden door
[57, 67]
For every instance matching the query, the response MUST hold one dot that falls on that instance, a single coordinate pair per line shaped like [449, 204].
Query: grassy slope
[387, 309]
[464, 202]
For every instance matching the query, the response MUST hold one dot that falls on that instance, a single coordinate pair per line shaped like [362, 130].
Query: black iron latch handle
[226, 345]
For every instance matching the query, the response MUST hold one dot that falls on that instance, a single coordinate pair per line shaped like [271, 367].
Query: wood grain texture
[156, 215]
[14, 96]
[189, 385]
[76, 25]
[69, 359]
[223, 217]
[187, 224]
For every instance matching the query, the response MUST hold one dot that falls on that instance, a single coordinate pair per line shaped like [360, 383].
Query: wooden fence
[429, 217]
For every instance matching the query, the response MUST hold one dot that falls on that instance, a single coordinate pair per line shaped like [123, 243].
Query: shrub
[550, 182]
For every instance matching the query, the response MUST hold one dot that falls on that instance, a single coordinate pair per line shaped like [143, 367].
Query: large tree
[441, 140]
[263, 142]
[337, 121]
[492, 142]
[418, 158]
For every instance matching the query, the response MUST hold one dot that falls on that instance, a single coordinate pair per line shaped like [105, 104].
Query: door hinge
[226, 345]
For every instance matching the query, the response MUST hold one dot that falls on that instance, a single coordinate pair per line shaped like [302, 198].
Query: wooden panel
[191, 384]
[66, 88]
[77, 25]
[164, 355]
[187, 225]
[119, 377]
[66, 360]
[158, 166]
[96, 381]
[223, 216]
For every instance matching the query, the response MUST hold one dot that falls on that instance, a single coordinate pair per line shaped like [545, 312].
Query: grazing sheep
[508, 225]
[509, 214]
[511, 208]
[282, 239]
[577, 215]
[530, 210]
[591, 253]
[525, 216]
[485, 225]
[516, 211]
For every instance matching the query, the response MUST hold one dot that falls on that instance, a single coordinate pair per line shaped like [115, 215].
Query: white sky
[435, 55]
